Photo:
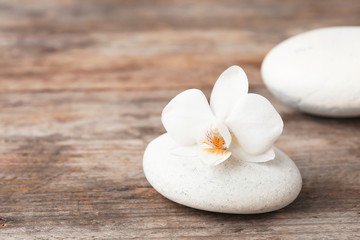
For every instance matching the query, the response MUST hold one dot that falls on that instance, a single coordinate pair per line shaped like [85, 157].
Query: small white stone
[231, 187]
[317, 71]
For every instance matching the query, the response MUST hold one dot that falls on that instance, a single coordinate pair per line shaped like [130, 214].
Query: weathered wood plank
[154, 60]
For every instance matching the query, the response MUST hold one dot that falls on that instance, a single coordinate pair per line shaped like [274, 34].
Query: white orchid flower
[236, 123]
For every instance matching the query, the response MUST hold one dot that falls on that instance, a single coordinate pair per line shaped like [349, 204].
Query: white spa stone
[317, 72]
[231, 187]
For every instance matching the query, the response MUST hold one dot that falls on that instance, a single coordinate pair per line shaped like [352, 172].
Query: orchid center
[215, 142]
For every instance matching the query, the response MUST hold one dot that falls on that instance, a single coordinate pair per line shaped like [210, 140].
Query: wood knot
[2, 222]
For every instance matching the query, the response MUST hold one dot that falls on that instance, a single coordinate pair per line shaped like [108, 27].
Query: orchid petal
[213, 156]
[186, 115]
[255, 123]
[186, 151]
[230, 86]
[239, 153]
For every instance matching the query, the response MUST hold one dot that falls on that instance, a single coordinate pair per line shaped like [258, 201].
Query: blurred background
[114, 44]
[82, 87]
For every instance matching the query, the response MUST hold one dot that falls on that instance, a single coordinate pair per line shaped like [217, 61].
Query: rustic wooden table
[82, 86]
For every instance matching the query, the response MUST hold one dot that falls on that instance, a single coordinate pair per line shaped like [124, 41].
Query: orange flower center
[216, 143]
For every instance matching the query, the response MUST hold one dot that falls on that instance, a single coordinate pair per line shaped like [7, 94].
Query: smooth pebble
[317, 72]
[233, 186]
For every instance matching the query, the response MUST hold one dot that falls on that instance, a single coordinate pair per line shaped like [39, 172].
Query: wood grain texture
[82, 86]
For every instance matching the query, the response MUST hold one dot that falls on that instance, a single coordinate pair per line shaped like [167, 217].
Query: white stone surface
[317, 71]
[230, 187]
